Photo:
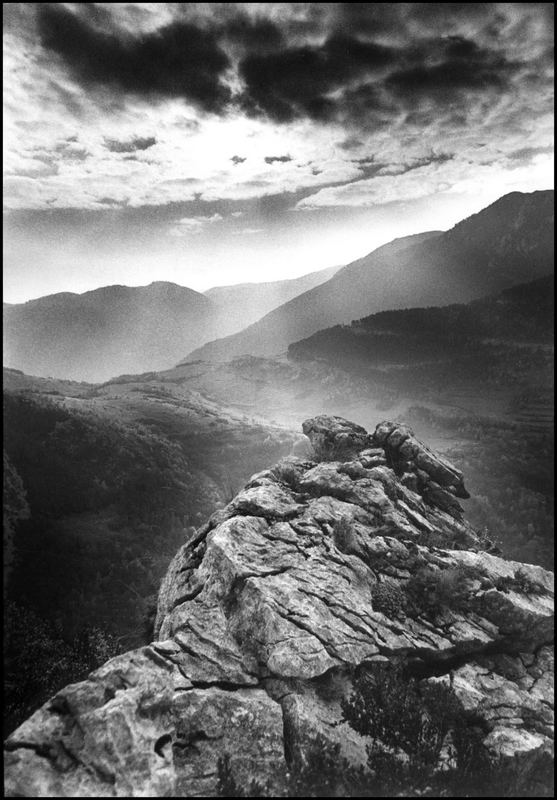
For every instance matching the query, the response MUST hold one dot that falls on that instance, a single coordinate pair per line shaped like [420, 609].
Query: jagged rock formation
[269, 608]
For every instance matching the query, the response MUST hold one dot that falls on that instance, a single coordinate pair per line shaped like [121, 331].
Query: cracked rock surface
[268, 609]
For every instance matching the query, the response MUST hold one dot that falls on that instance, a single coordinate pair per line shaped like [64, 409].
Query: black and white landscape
[278, 399]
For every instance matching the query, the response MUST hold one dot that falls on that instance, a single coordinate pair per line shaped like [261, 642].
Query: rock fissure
[41, 750]
[227, 686]
[187, 596]
[292, 618]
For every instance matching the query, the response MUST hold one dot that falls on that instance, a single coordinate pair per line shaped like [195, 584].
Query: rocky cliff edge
[357, 555]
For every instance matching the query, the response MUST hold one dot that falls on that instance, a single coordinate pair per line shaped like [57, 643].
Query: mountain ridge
[106, 330]
[309, 277]
[483, 253]
[520, 312]
[245, 302]
[394, 246]
[97, 334]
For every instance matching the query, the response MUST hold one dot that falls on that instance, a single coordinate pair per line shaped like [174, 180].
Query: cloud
[131, 146]
[252, 34]
[354, 91]
[438, 176]
[69, 150]
[109, 201]
[192, 226]
[526, 154]
[416, 163]
[368, 83]
[460, 65]
[297, 81]
[176, 60]
[280, 159]
[350, 143]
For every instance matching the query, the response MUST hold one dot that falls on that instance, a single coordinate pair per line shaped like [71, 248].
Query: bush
[227, 786]
[520, 582]
[322, 773]
[287, 474]
[423, 744]
[323, 450]
[435, 539]
[15, 508]
[389, 599]
[431, 590]
[487, 542]
[344, 536]
[39, 661]
[415, 728]
[395, 711]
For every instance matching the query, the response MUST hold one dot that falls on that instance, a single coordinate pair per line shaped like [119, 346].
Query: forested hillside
[101, 488]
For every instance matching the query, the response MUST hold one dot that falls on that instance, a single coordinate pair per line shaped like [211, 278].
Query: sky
[218, 143]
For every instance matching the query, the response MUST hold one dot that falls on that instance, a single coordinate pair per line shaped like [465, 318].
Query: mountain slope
[107, 331]
[520, 315]
[508, 243]
[122, 329]
[307, 312]
[244, 303]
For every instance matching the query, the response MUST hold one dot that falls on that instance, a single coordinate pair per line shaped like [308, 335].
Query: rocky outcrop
[313, 570]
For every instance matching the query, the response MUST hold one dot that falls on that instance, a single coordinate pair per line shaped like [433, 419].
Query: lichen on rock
[268, 610]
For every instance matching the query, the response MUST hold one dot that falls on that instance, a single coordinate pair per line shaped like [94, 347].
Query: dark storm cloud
[462, 66]
[372, 62]
[375, 19]
[177, 60]
[371, 82]
[361, 64]
[131, 146]
[295, 82]
[252, 35]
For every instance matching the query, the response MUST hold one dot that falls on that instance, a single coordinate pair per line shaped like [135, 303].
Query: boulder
[406, 452]
[335, 438]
